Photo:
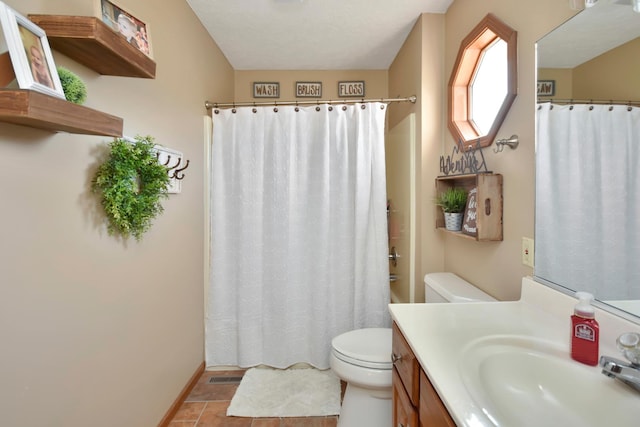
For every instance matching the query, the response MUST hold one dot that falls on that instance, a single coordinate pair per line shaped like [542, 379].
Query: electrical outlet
[527, 251]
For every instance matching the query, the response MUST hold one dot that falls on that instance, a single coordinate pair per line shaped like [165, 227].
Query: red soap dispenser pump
[584, 331]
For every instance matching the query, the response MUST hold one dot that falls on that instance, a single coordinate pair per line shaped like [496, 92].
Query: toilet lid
[370, 347]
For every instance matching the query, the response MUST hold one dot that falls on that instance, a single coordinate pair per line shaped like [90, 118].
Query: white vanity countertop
[439, 333]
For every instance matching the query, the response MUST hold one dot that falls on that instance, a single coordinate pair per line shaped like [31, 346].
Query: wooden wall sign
[351, 89]
[308, 89]
[469, 224]
[266, 90]
[546, 87]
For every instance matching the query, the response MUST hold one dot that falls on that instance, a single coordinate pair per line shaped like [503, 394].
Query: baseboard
[182, 396]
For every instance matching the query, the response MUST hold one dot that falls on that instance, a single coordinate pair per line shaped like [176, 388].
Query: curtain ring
[275, 109]
[344, 108]
[233, 110]
[216, 111]
[330, 108]
[610, 107]
[317, 108]
[382, 107]
[363, 107]
[255, 110]
[296, 109]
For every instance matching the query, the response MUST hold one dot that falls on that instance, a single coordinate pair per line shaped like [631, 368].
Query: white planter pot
[453, 221]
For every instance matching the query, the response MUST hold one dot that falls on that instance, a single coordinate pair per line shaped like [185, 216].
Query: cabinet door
[432, 411]
[404, 413]
[407, 365]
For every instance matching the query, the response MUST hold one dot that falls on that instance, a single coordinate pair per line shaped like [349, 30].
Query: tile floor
[206, 406]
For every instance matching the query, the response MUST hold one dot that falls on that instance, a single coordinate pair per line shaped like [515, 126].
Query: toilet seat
[367, 348]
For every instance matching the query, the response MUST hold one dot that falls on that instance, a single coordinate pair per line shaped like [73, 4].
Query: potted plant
[453, 202]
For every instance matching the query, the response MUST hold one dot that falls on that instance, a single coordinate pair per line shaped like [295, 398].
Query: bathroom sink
[524, 381]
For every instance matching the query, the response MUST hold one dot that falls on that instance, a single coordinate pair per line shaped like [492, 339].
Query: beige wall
[418, 69]
[563, 78]
[496, 267]
[375, 86]
[424, 65]
[96, 331]
[610, 76]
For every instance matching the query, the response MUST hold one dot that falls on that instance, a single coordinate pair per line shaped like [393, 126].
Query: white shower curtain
[299, 249]
[587, 198]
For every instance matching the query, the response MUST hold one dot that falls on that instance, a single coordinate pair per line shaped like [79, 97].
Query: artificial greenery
[73, 87]
[452, 200]
[131, 183]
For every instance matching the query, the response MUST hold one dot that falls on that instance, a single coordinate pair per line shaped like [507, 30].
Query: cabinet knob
[394, 359]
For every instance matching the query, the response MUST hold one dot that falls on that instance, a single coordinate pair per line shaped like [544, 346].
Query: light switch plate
[527, 251]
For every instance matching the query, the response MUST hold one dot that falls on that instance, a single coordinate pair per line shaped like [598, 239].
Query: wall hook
[174, 166]
[175, 173]
[510, 142]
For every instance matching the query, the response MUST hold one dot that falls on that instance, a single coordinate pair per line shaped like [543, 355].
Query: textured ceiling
[590, 33]
[311, 34]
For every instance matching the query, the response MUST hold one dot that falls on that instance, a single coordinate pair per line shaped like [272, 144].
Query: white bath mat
[265, 392]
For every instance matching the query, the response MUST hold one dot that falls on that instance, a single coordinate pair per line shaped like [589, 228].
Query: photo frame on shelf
[469, 223]
[134, 31]
[30, 53]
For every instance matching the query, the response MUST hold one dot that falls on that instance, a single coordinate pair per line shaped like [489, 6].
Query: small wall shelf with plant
[488, 199]
[32, 92]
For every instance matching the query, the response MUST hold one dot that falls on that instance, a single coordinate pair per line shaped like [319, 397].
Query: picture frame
[470, 219]
[546, 87]
[266, 89]
[351, 89]
[30, 53]
[134, 31]
[308, 89]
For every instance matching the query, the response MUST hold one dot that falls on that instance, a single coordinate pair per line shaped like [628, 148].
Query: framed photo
[351, 89]
[469, 223]
[131, 28]
[29, 52]
[308, 89]
[546, 87]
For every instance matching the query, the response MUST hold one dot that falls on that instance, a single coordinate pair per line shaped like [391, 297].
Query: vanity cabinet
[415, 401]
[406, 381]
[488, 203]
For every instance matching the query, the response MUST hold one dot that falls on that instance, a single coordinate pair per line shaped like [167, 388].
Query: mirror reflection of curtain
[588, 199]
[299, 248]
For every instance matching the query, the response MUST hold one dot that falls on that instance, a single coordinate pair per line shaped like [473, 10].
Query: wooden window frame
[460, 122]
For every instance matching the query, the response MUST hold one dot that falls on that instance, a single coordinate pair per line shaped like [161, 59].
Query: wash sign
[266, 90]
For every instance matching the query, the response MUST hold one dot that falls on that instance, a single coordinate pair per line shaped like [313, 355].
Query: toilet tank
[447, 287]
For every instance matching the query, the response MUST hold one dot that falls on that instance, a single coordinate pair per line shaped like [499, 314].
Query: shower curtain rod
[209, 105]
[589, 101]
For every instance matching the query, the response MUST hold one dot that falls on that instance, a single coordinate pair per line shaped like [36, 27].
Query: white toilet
[362, 358]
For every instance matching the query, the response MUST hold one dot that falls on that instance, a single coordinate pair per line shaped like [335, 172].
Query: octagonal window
[483, 83]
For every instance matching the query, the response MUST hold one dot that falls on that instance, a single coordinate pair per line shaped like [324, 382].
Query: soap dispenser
[584, 331]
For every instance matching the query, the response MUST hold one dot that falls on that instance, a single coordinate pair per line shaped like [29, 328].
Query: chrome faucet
[627, 372]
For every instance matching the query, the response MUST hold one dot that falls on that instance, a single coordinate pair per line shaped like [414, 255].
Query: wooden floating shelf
[91, 42]
[489, 210]
[34, 109]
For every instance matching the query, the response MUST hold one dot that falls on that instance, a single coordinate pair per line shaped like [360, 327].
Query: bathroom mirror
[483, 83]
[562, 55]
